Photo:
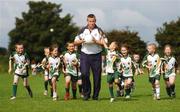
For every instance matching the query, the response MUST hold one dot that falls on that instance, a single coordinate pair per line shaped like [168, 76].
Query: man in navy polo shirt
[91, 40]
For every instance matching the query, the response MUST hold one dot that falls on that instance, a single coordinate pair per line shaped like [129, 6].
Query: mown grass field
[141, 100]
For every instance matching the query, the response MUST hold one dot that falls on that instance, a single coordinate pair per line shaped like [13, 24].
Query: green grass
[141, 100]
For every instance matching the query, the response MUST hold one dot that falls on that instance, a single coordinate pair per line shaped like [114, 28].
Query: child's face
[151, 49]
[55, 52]
[112, 46]
[19, 49]
[46, 52]
[71, 47]
[124, 51]
[136, 57]
[167, 51]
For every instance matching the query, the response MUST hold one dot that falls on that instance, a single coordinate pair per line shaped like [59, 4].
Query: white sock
[54, 94]
[158, 91]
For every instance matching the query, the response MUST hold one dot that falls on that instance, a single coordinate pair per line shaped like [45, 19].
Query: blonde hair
[168, 45]
[153, 45]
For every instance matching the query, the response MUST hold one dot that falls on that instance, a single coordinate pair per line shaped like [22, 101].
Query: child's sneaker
[12, 98]
[127, 97]
[45, 93]
[112, 100]
[158, 98]
[154, 96]
[81, 95]
[67, 96]
[173, 95]
[54, 98]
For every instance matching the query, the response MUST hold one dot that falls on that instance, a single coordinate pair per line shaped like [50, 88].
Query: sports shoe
[12, 98]
[154, 96]
[81, 95]
[128, 97]
[45, 93]
[54, 98]
[158, 98]
[67, 96]
[112, 100]
[173, 95]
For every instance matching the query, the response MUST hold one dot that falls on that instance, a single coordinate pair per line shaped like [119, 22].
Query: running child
[44, 64]
[53, 68]
[169, 67]
[126, 69]
[111, 67]
[21, 61]
[71, 70]
[152, 62]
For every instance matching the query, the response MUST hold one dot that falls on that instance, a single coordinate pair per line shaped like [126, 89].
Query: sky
[143, 16]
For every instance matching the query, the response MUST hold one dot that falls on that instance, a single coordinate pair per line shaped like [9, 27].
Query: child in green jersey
[169, 67]
[71, 70]
[126, 69]
[152, 62]
[21, 61]
[53, 68]
[111, 66]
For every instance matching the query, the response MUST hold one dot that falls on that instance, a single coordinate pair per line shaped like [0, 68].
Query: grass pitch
[141, 100]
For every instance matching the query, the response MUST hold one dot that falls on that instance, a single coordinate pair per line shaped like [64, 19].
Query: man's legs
[95, 63]
[85, 70]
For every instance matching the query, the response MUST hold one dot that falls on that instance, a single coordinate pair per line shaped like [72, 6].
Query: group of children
[52, 64]
[120, 69]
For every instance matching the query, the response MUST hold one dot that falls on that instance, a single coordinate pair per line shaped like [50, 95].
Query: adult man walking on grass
[91, 40]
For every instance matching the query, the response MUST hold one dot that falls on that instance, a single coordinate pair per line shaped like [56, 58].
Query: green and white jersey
[111, 61]
[69, 58]
[154, 63]
[44, 64]
[54, 63]
[126, 66]
[21, 62]
[169, 66]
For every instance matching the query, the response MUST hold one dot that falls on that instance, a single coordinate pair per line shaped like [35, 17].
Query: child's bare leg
[46, 79]
[157, 88]
[26, 85]
[80, 86]
[74, 89]
[111, 90]
[67, 86]
[128, 86]
[54, 87]
[14, 86]
[172, 85]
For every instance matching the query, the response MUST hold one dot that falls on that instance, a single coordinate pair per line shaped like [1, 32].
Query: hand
[75, 62]
[48, 66]
[94, 40]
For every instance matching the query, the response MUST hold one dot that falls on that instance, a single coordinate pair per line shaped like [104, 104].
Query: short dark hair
[19, 43]
[91, 16]
[125, 45]
[53, 47]
[168, 45]
[69, 43]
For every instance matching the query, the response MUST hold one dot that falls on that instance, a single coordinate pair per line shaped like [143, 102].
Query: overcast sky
[144, 16]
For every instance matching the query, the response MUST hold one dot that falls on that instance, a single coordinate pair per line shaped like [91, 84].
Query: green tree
[169, 33]
[3, 51]
[128, 37]
[42, 26]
